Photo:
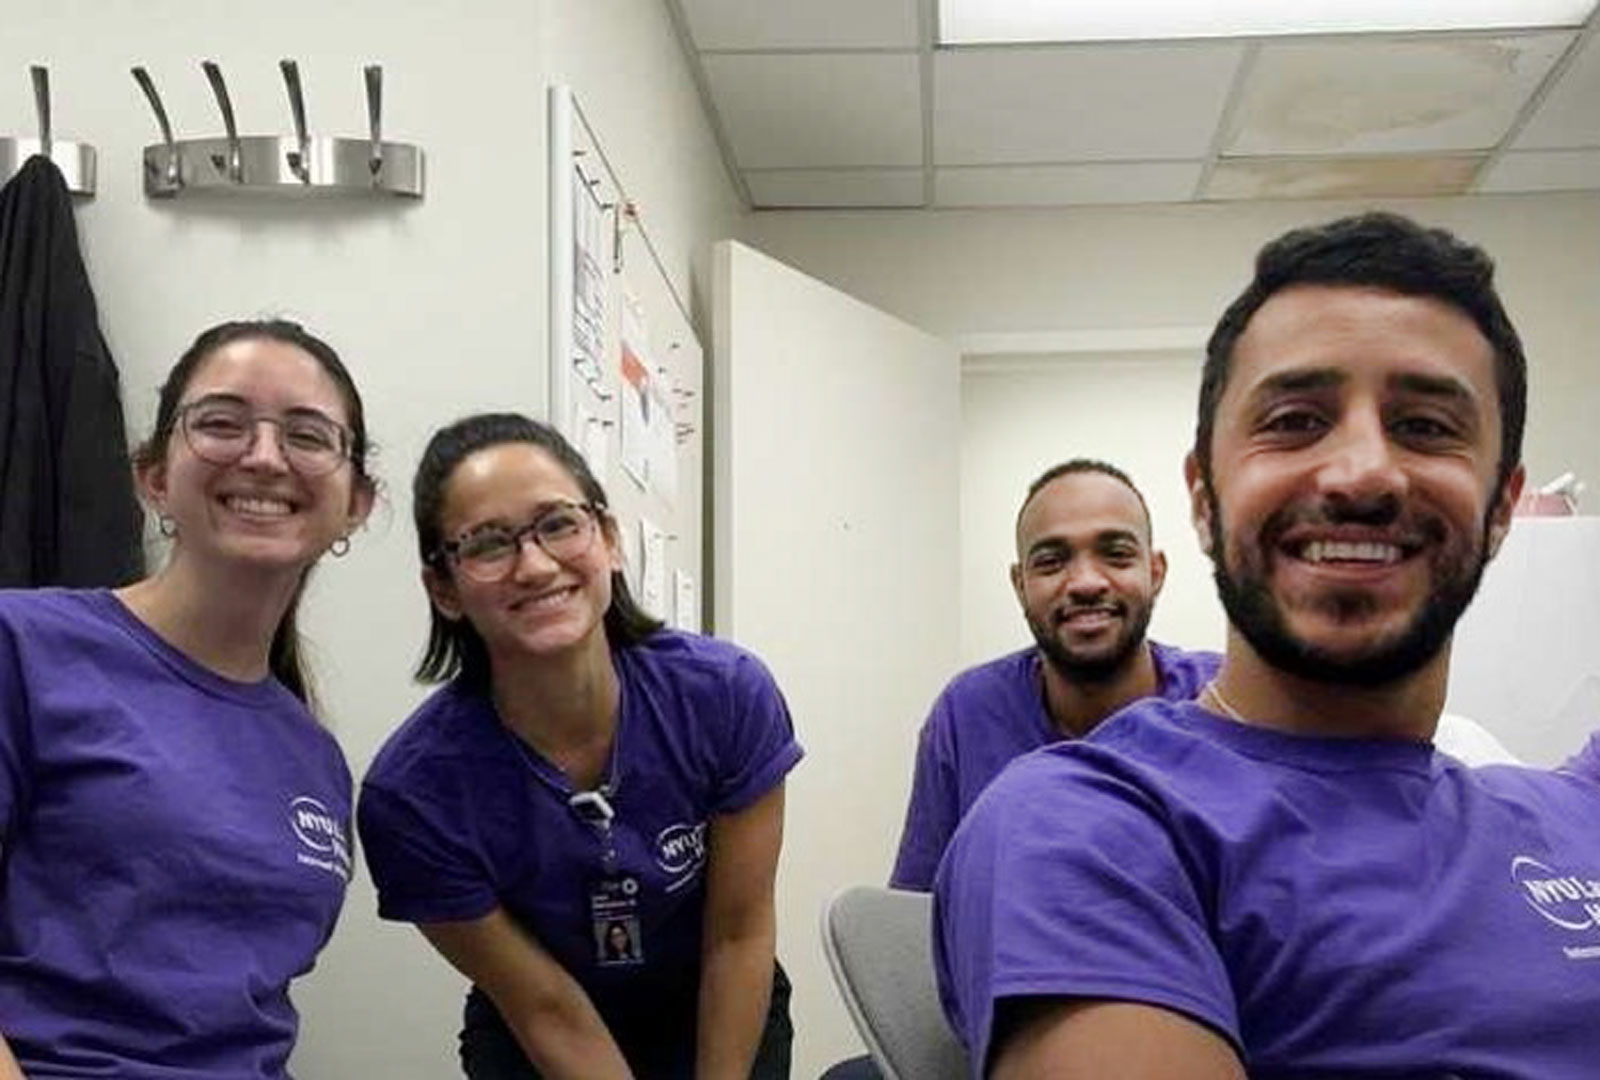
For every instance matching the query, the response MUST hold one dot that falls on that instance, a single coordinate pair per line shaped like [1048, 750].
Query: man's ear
[1016, 583]
[1158, 572]
[1505, 505]
[1199, 502]
[442, 591]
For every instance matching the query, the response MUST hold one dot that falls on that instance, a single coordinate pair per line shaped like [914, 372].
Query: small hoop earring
[340, 547]
[166, 526]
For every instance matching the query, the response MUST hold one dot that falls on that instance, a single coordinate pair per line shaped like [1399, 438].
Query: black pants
[489, 1051]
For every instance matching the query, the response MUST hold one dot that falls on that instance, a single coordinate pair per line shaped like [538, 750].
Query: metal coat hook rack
[301, 161]
[75, 160]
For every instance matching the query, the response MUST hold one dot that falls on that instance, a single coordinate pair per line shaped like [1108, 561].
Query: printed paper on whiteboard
[686, 604]
[591, 439]
[589, 283]
[663, 468]
[632, 556]
[636, 393]
[653, 567]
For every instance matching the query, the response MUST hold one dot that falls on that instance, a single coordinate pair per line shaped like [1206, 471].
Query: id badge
[614, 922]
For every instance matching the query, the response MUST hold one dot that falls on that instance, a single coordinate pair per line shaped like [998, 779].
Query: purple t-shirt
[173, 850]
[1586, 762]
[457, 815]
[985, 718]
[1332, 907]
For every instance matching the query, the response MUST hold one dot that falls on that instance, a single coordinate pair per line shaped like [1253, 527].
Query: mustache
[1384, 511]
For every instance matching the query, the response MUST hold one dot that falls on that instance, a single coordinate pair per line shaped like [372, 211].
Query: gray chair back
[880, 946]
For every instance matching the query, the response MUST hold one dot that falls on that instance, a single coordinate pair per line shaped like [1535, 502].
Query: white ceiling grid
[847, 103]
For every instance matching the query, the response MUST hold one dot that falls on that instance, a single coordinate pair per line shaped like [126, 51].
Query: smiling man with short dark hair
[1087, 577]
[1284, 878]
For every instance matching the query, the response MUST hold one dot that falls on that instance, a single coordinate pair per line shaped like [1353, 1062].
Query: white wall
[1153, 273]
[1019, 416]
[1142, 268]
[837, 477]
[437, 306]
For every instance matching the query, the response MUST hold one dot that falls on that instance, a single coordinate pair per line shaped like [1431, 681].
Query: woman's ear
[363, 495]
[150, 480]
[611, 533]
[442, 591]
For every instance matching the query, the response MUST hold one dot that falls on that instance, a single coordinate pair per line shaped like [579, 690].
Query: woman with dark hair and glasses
[174, 822]
[583, 769]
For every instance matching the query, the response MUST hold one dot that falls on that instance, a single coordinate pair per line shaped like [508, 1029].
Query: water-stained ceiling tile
[1354, 96]
[1387, 178]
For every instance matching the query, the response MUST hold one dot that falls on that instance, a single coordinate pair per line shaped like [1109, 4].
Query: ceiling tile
[814, 24]
[1570, 114]
[1338, 179]
[1079, 103]
[1547, 170]
[816, 188]
[1389, 95]
[1067, 185]
[825, 109]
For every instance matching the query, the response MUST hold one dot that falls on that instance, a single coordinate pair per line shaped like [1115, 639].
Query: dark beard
[1255, 613]
[1096, 669]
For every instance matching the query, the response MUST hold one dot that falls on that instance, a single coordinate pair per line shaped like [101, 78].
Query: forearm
[565, 1038]
[735, 992]
[9, 1069]
[548, 1011]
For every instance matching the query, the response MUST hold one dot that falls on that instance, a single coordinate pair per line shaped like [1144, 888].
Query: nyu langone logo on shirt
[681, 851]
[1569, 901]
[321, 836]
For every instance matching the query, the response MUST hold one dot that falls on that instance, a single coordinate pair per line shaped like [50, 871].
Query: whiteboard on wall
[625, 368]
[1525, 659]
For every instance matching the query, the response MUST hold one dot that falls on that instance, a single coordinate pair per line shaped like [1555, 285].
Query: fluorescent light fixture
[981, 22]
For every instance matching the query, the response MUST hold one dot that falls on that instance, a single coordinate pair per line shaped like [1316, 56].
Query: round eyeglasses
[564, 532]
[222, 430]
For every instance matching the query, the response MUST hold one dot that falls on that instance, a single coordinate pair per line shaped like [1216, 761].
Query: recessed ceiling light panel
[986, 22]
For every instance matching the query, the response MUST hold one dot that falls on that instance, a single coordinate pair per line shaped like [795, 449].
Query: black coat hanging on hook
[68, 515]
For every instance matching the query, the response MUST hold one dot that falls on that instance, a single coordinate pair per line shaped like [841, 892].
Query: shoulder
[87, 632]
[1082, 872]
[1564, 785]
[666, 647]
[692, 662]
[1586, 762]
[1167, 760]
[1012, 669]
[1149, 792]
[1183, 673]
[1129, 750]
[28, 611]
[1004, 685]
[444, 728]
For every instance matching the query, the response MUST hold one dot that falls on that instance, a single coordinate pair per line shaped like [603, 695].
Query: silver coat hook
[299, 159]
[75, 161]
[41, 105]
[374, 77]
[233, 164]
[174, 175]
